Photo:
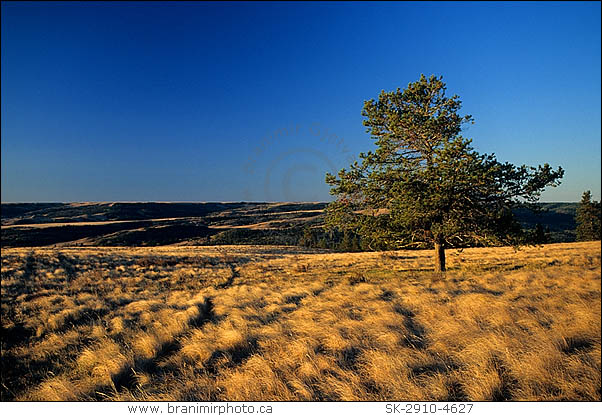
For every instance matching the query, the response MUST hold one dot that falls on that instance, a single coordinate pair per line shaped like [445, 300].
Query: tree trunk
[439, 256]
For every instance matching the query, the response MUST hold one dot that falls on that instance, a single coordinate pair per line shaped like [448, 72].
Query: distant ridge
[199, 223]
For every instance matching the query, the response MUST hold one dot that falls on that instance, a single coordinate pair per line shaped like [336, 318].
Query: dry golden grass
[275, 323]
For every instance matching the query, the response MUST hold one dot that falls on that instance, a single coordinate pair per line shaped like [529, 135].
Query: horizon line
[210, 201]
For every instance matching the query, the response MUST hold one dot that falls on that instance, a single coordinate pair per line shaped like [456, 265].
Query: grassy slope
[277, 323]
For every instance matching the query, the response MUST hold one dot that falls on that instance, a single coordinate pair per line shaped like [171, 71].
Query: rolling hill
[210, 223]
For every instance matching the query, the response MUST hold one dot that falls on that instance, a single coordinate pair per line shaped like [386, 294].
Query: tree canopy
[425, 185]
[588, 218]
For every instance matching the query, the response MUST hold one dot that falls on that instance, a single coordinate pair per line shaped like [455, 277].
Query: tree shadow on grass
[232, 356]
[416, 337]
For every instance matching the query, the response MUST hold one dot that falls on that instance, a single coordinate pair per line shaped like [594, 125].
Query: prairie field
[256, 323]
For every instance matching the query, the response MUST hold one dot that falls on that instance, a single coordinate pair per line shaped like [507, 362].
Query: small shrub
[356, 279]
[302, 268]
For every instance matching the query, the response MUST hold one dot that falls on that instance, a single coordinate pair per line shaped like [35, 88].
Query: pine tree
[309, 238]
[424, 185]
[539, 235]
[346, 244]
[588, 218]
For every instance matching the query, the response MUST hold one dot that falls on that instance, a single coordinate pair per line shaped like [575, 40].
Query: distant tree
[356, 245]
[424, 185]
[346, 243]
[309, 237]
[350, 242]
[588, 218]
[539, 235]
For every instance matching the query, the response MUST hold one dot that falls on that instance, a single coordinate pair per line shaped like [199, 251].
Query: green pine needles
[425, 185]
[588, 218]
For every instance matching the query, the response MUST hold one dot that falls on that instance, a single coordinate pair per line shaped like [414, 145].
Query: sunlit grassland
[276, 323]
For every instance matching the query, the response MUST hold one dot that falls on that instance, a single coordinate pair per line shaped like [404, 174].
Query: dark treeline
[349, 241]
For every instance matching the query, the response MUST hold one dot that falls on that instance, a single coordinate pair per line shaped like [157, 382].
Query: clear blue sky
[224, 102]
